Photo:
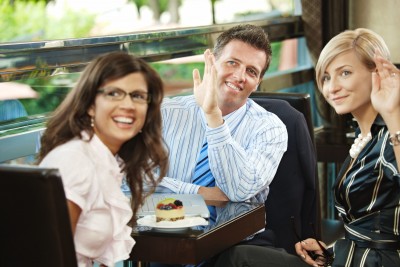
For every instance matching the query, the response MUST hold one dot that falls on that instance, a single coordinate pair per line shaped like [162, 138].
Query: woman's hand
[310, 251]
[385, 94]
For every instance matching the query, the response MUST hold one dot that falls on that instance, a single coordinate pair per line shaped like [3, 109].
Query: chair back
[35, 228]
[293, 203]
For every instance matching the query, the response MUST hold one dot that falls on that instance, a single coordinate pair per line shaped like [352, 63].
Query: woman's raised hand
[385, 94]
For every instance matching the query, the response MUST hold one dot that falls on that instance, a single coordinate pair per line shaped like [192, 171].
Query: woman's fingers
[384, 67]
[375, 82]
[307, 247]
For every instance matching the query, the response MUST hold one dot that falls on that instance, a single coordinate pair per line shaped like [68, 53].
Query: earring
[92, 122]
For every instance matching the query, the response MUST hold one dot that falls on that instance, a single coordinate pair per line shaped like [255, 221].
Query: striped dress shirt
[244, 152]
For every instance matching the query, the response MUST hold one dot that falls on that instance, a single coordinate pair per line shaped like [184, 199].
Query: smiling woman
[355, 76]
[115, 117]
[95, 137]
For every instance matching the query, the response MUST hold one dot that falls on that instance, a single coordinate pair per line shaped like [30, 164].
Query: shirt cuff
[180, 187]
[219, 135]
[187, 188]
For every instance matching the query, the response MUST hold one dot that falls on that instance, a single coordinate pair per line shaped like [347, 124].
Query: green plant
[276, 51]
[51, 90]
[71, 25]
[21, 21]
[177, 72]
[28, 21]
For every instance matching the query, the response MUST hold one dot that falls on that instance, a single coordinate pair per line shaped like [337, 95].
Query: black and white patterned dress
[367, 197]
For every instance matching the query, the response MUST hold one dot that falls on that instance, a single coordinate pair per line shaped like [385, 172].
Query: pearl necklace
[359, 144]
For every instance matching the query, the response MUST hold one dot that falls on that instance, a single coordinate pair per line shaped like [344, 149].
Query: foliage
[161, 4]
[276, 49]
[177, 72]
[52, 91]
[28, 21]
[73, 25]
[33, 1]
[139, 4]
[183, 72]
[16, 19]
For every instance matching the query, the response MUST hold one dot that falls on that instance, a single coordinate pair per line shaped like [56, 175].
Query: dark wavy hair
[252, 35]
[142, 154]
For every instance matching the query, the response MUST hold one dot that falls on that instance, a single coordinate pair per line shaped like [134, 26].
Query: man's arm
[242, 172]
[169, 185]
[242, 166]
[212, 193]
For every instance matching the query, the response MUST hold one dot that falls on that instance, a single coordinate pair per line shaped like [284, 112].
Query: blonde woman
[355, 76]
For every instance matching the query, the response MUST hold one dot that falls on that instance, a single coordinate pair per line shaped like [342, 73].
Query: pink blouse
[92, 178]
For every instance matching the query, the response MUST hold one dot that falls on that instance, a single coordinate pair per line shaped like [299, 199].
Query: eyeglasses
[117, 94]
[324, 260]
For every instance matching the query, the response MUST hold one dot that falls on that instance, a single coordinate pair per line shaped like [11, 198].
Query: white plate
[179, 225]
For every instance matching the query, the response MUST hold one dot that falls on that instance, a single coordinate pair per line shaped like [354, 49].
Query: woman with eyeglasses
[355, 76]
[107, 128]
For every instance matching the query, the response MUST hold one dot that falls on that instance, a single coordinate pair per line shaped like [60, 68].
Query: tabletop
[235, 222]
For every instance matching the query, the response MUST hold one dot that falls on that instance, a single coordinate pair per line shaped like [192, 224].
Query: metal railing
[19, 60]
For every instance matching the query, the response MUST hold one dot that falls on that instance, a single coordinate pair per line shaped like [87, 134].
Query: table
[235, 222]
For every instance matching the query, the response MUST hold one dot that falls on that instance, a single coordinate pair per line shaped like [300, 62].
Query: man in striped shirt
[245, 142]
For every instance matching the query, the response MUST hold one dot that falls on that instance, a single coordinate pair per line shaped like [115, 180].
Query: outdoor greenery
[52, 90]
[183, 72]
[29, 21]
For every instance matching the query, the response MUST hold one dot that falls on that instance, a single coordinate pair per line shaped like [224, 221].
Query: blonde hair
[362, 41]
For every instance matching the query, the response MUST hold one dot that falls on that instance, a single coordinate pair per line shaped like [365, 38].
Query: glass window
[62, 19]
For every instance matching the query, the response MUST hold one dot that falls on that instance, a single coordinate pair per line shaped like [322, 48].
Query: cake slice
[170, 209]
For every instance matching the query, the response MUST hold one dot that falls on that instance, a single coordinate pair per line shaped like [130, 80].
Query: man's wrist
[214, 120]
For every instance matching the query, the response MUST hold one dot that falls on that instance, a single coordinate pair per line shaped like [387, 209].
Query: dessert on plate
[170, 209]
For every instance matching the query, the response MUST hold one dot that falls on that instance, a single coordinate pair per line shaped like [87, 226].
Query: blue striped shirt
[244, 152]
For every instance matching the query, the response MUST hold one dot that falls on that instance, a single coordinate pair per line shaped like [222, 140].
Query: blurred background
[24, 21]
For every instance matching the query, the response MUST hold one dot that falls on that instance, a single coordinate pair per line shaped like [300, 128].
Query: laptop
[194, 204]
